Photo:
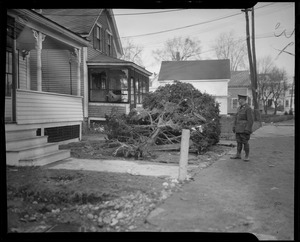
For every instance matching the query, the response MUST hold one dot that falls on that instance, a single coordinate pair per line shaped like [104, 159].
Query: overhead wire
[192, 25]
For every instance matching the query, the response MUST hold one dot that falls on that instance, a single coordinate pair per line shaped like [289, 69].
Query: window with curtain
[109, 43]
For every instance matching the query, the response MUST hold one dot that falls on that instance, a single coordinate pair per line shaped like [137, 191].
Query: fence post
[184, 153]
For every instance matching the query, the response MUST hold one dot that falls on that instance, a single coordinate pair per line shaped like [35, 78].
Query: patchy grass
[39, 198]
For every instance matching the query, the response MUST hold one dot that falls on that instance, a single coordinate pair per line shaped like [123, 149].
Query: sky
[274, 26]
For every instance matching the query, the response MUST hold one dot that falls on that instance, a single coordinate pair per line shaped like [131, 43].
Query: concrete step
[14, 155]
[11, 135]
[21, 143]
[45, 159]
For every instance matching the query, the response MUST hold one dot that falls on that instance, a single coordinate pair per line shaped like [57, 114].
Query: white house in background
[153, 83]
[208, 76]
[289, 99]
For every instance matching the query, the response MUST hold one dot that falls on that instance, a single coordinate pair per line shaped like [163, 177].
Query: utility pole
[252, 63]
[256, 101]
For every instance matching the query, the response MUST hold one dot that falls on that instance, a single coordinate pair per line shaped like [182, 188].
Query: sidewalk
[237, 196]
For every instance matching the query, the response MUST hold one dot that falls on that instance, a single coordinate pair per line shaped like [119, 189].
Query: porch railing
[43, 107]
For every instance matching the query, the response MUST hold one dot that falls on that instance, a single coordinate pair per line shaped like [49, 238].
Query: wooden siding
[233, 93]
[99, 111]
[23, 72]
[8, 109]
[56, 69]
[42, 107]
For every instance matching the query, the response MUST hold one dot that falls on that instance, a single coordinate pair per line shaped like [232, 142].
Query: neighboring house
[289, 99]
[239, 83]
[154, 83]
[62, 70]
[208, 76]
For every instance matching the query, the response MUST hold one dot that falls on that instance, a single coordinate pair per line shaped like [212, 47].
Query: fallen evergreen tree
[166, 112]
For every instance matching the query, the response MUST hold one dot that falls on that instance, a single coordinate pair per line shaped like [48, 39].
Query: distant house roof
[239, 79]
[194, 70]
[102, 60]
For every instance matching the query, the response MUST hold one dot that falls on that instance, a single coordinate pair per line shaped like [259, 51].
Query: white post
[184, 153]
[28, 72]
[85, 83]
[78, 55]
[39, 37]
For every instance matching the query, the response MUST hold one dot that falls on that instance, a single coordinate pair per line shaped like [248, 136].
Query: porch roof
[103, 60]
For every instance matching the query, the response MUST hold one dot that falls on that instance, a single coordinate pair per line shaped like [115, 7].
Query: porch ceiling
[26, 41]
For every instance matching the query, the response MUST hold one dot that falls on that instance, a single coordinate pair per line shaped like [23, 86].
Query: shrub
[191, 102]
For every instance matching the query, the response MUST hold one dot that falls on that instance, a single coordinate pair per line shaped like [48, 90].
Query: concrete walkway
[121, 166]
[235, 196]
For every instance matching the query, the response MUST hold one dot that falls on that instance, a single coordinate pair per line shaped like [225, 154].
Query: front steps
[24, 148]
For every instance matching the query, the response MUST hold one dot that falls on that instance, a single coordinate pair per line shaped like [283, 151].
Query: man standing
[242, 127]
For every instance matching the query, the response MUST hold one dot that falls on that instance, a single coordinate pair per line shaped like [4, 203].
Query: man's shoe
[236, 157]
[246, 158]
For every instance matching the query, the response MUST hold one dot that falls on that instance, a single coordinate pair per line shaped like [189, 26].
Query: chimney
[177, 56]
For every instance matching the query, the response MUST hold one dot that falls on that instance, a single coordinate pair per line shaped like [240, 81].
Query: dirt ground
[46, 200]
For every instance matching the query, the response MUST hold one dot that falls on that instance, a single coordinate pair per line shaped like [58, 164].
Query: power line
[192, 25]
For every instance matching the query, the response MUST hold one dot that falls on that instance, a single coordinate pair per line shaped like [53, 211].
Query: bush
[166, 112]
[190, 103]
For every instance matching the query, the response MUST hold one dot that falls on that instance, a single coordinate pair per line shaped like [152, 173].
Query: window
[286, 103]
[109, 43]
[108, 85]
[143, 84]
[234, 103]
[8, 74]
[98, 38]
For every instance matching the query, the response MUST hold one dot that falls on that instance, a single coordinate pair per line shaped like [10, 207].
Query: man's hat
[242, 96]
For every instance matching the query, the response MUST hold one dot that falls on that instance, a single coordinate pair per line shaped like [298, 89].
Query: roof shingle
[194, 70]
[239, 79]
[77, 20]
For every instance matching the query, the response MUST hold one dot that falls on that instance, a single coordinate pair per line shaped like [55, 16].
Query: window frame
[98, 40]
[109, 42]
[232, 104]
[123, 91]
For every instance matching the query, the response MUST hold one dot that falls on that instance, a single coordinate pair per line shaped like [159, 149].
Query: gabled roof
[102, 60]
[79, 21]
[239, 79]
[194, 70]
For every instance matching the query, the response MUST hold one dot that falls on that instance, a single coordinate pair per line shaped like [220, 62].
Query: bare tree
[228, 47]
[132, 52]
[264, 90]
[278, 85]
[264, 67]
[188, 49]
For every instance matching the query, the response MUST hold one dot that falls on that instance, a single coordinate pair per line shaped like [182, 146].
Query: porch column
[85, 83]
[39, 37]
[78, 55]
